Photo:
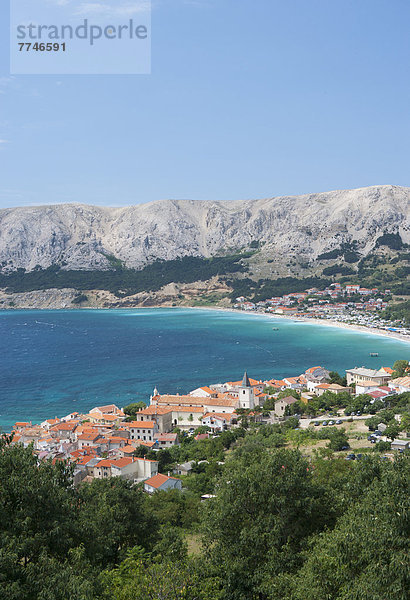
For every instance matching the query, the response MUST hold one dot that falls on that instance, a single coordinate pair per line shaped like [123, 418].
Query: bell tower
[152, 398]
[246, 395]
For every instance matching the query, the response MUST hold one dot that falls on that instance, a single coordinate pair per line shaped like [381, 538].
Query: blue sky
[247, 99]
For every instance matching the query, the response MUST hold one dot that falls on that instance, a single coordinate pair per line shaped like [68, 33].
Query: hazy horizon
[245, 100]
[79, 203]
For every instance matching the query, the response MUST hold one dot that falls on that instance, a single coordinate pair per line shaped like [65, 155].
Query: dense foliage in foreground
[280, 527]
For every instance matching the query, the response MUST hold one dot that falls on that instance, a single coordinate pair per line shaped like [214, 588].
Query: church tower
[246, 395]
[154, 394]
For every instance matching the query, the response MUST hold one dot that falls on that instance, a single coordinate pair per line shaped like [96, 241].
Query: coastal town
[109, 441]
[346, 304]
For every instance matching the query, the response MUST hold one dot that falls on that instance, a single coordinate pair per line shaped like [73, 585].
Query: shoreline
[313, 321]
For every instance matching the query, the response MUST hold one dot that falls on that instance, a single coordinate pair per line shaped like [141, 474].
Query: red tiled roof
[65, 426]
[128, 449]
[207, 389]
[142, 443]
[155, 410]
[158, 480]
[90, 437]
[239, 383]
[121, 462]
[104, 463]
[139, 424]
[312, 369]
[166, 437]
[105, 417]
[190, 409]
[226, 416]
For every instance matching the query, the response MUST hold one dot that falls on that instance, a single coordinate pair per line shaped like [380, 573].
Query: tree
[36, 503]
[399, 368]
[392, 430]
[132, 409]
[136, 578]
[382, 446]
[38, 508]
[296, 408]
[112, 518]
[141, 451]
[289, 392]
[334, 377]
[269, 404]
[405, 422]
[265, 505]
[171, 545]
[365, 555]
[384, 416]
[173, 508]
[338, 440]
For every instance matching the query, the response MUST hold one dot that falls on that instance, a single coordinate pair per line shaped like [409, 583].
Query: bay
[56, 362]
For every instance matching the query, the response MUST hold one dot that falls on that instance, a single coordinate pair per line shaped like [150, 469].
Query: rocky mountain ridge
[77, 236]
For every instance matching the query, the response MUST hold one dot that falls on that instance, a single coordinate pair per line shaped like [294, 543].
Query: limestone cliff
[79, 236]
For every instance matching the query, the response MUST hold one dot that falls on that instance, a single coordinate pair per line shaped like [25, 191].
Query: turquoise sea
[55, 362]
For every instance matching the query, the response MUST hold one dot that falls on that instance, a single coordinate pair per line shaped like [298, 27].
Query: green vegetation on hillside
[268, 288]
[376, 270]
[122, 281]
[347, 250]
[391, 240]
[338, 270]
[398, 312]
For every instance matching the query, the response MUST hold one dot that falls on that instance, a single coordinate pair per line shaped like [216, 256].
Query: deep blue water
[55, 362]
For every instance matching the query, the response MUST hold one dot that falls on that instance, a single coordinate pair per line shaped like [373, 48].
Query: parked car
[358, 413]
[345, 448]
[324, 423]
[316, 423]
[339, 422]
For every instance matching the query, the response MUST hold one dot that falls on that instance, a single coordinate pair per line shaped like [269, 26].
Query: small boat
[374, 354]
[275, 328]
